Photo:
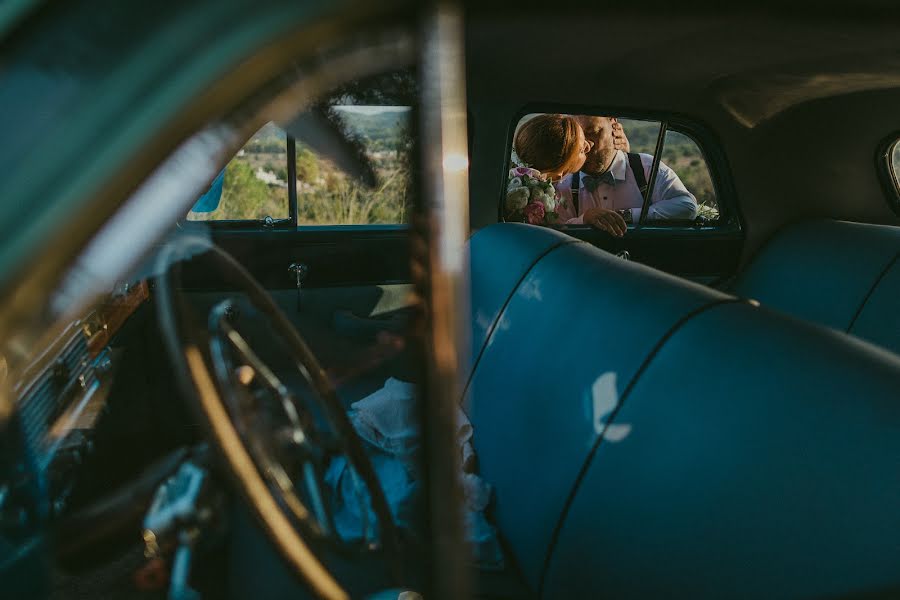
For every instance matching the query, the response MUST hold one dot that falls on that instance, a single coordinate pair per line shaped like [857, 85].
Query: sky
[371, 110]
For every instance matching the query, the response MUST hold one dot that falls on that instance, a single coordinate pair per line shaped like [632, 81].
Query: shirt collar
[619, 166]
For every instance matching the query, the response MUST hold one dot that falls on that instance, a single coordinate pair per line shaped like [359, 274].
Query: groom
[609, 191]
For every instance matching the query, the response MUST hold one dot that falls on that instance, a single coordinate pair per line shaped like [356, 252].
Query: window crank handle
[299, 271]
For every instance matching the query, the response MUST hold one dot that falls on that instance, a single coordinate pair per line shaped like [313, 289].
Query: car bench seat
[840, 274]
[556, 342]
[500, 256]
[760, 461]
[647, 437]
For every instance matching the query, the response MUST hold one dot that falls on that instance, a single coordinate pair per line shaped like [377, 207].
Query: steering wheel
[255, 442]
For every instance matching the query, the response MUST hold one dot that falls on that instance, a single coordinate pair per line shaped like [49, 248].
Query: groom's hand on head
[605, 219]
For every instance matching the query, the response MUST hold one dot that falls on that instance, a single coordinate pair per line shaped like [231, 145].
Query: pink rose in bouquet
[525, 171]
[534, 213]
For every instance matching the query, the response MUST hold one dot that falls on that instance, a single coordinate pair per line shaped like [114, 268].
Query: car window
[254, 184]
[893, 165]
[618, 168]
[683, 155]
[328, 196]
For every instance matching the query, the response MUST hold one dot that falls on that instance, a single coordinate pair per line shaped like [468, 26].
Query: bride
[552, 144]
[547, 148]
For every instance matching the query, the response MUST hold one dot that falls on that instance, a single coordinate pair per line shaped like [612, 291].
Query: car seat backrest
[505, 252]
[829, 272]
[757, 456]
[574, 333]
[878, 321]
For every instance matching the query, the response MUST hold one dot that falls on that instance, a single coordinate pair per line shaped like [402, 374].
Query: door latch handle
[299, 271]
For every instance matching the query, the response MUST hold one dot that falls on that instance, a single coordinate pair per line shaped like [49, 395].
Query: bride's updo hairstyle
[548, 143]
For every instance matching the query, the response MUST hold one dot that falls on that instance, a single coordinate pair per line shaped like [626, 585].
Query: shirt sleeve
[670, 200]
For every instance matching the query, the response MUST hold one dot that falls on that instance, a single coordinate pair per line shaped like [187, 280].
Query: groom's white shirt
[670, 199]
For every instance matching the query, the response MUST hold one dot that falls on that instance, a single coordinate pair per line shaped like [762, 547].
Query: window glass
[894, 164]
[642, 135]
[373, 114]
[683, 155]
[327, 196]
[253, 185]
[617, 165]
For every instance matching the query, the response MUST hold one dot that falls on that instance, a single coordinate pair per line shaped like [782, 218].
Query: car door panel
[704, 255]
[334, 256]
[353, 306]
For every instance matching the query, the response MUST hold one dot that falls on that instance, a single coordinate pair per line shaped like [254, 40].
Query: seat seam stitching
[868, 296]
[492, 329]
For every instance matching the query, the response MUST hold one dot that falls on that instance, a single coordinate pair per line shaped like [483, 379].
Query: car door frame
[333, 255]
[708, 254]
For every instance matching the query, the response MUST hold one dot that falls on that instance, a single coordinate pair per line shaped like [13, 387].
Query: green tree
[246, 197]
[243, 194]
[307, 165]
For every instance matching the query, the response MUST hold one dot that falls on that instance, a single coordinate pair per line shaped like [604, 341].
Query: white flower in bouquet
[530, 197]
[516, 199]
[549, 202]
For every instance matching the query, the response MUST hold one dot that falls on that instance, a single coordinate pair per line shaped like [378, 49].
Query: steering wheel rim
[199, 384]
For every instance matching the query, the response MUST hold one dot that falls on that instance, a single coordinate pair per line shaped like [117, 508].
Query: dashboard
[64, 390]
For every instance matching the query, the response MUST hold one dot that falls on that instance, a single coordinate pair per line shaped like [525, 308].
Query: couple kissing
[577, 170]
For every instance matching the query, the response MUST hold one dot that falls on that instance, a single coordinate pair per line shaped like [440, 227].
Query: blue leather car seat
[503, 256]
[840, 274]
[757, 457]
[647, 437]
[566, 336]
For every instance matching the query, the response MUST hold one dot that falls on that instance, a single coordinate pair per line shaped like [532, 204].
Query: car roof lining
[772, 63]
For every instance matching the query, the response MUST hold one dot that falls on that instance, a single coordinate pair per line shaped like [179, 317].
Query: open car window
[298, 176]
[254, 184]
[328, 196]
[650, 172]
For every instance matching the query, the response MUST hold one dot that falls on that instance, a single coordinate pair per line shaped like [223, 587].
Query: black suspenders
[637, 167]
[576, 183]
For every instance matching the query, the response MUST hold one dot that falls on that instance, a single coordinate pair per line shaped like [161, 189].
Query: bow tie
[592, 182]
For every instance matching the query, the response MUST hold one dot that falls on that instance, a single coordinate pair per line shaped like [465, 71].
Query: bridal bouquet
[530, 197]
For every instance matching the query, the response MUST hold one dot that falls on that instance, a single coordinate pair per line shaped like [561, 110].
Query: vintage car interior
[266, 331]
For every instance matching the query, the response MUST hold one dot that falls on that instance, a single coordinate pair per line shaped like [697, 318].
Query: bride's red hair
[548, 142]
